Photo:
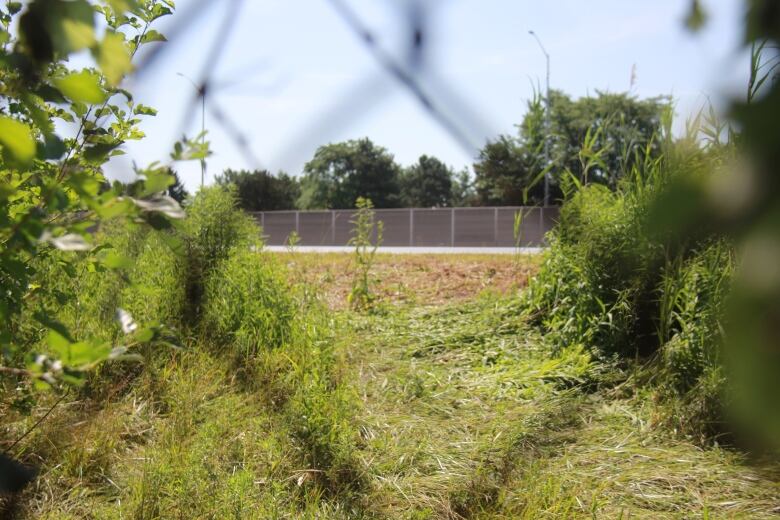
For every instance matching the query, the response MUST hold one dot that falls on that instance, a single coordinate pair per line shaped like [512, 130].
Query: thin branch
[37, 423]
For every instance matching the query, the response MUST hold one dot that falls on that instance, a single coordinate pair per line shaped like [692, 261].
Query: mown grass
[467, 415]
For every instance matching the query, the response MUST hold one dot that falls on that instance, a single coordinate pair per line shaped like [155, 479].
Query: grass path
[466, 416]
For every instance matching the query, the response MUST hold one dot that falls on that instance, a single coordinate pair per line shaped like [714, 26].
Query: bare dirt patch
[412, 279]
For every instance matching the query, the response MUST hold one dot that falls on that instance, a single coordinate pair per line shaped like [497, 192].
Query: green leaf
[56, 28]
[17, 138]
[144, 110]
[160, 10]
[144, 335]
[53, 148]
[99, 152]
[113, 58]
[57, 342]
[77, 30]
[123, 6]
[114, 260]
[82, 87]
[155, 181]
[50, 94]
[14, 7]
[153, 36]
[54, 326]
[82, 353]
[115, 207]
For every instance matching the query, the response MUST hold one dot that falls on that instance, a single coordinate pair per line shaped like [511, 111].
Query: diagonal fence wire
[410, 68]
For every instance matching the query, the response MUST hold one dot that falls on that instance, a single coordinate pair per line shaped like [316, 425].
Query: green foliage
[340, 173]
[427, 184]
[51, 183]
[463, 193]
[259, 190]
[214, 228]
[610, 284]
[247, 304]
[504, 171]
[321, 419]
[158, 283]
[693, 295]
[740, 201]
[594, 139]
[366, 238]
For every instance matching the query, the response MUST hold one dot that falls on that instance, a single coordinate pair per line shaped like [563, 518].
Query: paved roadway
[411, 250]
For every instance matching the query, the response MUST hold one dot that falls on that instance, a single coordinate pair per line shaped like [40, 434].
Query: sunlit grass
[460, 410]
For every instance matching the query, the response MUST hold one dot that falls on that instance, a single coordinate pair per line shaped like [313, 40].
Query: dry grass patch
[412, 279]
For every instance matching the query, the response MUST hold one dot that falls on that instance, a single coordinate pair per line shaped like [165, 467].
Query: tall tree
[339, 173]
[617, 127]
[596, 139]
[259, 190]
[505, 171]
[463, 193]
[427, 184]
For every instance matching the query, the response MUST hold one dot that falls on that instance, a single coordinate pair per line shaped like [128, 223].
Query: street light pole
[546, 122]
[202, 92]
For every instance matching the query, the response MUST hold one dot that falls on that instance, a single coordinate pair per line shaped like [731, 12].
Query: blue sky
[296, 77]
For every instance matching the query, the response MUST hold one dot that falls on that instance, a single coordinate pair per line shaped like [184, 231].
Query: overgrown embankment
[231, 405]
[620, 284]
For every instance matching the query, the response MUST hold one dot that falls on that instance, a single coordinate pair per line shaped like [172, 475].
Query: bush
[608, 283]
[157, 290]
[247, 304]
[596, 276]
[214, 227]
[85, 294]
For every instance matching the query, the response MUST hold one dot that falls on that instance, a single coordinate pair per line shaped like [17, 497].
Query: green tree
[427, 184]
[619, 126]
[504, 172]
[259, 190]
[595, 139]
[339, 173]
[463, 193]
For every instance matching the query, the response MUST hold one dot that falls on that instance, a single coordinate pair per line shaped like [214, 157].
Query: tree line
[594, 139]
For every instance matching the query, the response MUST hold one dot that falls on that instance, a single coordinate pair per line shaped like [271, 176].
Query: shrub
[157, 290]
[247, 304]
[610, 284]
[595, 277]
[214, 227]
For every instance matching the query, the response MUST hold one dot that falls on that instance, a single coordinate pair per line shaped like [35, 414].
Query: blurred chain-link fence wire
[409, 68]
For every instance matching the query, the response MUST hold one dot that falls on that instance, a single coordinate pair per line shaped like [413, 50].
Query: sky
[293, 75]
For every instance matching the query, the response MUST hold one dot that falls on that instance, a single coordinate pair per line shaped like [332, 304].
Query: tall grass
[247, 304]
[213, 229]
[250, 357]
[613, 282]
